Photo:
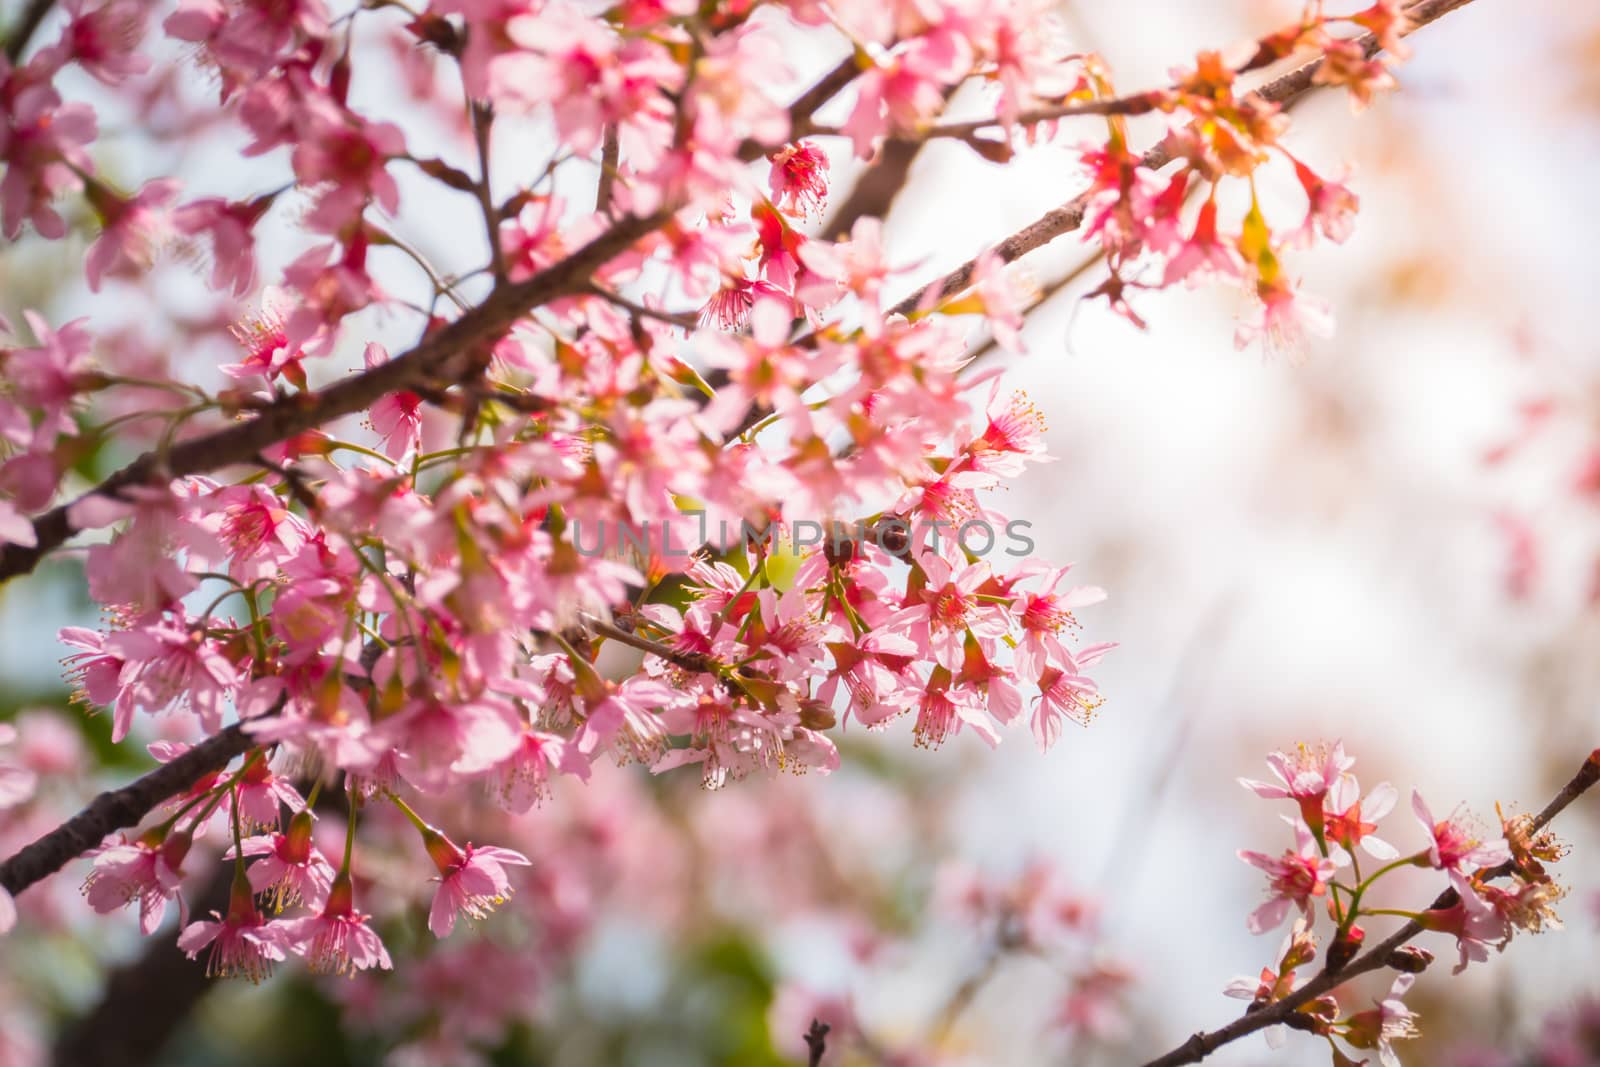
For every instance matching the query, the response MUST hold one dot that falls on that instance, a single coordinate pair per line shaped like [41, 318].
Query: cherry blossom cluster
[1496, 886]
[401, 609]
[1227, 136]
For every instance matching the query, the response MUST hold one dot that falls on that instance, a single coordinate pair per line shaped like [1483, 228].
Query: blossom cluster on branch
[404, 611]
[1332, 825]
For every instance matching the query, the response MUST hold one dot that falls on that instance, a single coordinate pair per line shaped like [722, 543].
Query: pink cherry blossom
[1094, 1004]
[525, 774]
[903, 89]
[104, 40]
[1456, 845]
[948, 607]
[15, 527]
[1378, 1028]
[1330, 208]
[472, 880]
[798, 180]
[17, 782]
[1012, 436]
[346, 157]
[1347, 813]
[291, 870]
[259, 531]
[870, 671]
[337, 941]
[1044, 615]
[630, 706]
[1294, 879]
[48, 377]
[42, 145]
[1203, 254]
[443, 743]
[1284, 317]
[264, 337]
[857, 265]
[1062, 695]
[587, 74]
[1473, 922]
[397, 417]
[230, 225]
[260, 793]
[149, 872]
[1304, 776]
[943, 710]
[336, 944]
[172, 664]
[243, 944]
[133, 230]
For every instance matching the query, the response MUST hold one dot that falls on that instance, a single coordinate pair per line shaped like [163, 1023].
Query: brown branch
[880, 184]
[439, 361]
[1069, 216]
[825, 89]
[17, 39]
[1137, 104]
[800, 112]
[610, 157]
[1201, 1045]
[146, 1001]
[120, 808]
[877, 189]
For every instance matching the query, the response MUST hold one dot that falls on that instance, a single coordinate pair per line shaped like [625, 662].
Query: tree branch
[1069, 216]
[27, 25]
[439, 361]
[1201, 1045]
[610, 157]
[120, 808]
[880, 184]
[482, 129]
[1137, 104]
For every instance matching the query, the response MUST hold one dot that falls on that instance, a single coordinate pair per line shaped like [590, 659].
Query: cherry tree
[666, 466]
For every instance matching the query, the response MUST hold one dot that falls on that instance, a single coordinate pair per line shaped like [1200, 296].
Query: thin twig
[686, 320]
[689, 661]
[482, 130]
[1137, 104]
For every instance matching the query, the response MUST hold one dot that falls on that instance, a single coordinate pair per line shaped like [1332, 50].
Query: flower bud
[1410, 959]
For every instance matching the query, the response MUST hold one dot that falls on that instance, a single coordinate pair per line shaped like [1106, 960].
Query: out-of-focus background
[1390, 537]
